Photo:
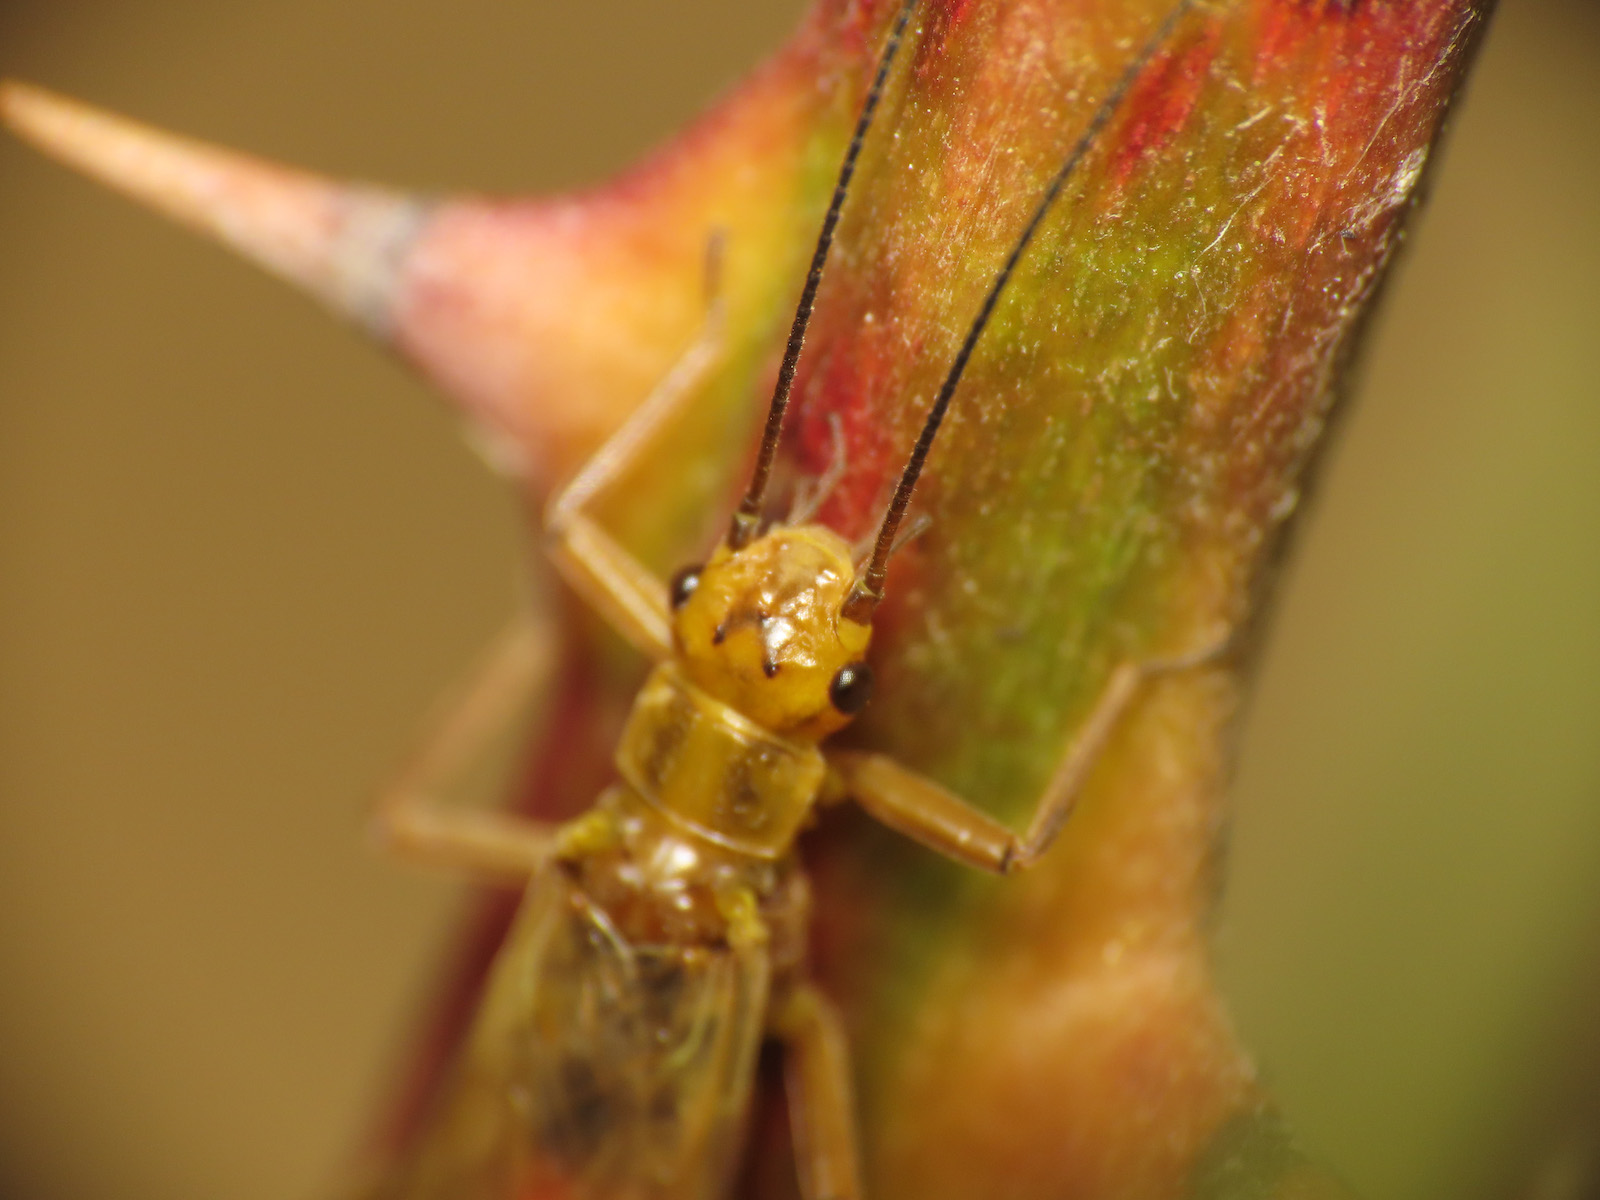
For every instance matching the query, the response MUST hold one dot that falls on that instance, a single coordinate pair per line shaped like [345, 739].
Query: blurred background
[241, 551]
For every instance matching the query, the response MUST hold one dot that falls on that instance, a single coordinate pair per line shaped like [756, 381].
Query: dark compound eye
[683, 586]
[851, 688]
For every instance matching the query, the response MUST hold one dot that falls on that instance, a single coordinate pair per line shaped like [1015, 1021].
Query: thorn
[343, 243]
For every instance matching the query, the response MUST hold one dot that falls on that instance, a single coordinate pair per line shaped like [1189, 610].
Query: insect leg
[923, 810]
[410, 817]
[821, 1098]
[612, 581]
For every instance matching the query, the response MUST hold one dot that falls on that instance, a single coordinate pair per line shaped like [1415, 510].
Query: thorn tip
[345, 244]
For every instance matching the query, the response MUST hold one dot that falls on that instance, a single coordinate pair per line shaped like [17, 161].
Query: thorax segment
[715, 772]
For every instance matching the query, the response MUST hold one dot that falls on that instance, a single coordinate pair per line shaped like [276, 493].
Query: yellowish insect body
[714, 772]
[613, 1053]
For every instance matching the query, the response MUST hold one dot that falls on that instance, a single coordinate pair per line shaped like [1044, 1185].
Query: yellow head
[760, 629]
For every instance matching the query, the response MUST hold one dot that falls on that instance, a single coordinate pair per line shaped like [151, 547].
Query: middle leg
[411, 817]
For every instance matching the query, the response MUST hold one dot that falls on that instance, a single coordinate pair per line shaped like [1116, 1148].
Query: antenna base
[862, 601]
[743, 529]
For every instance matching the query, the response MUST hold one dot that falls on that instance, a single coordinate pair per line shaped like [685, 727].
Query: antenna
[747, 518]
[868, 590]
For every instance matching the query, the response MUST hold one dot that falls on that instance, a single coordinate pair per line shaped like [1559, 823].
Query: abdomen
[597, 1069]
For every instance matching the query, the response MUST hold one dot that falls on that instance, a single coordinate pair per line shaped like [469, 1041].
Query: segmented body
[614, 1052]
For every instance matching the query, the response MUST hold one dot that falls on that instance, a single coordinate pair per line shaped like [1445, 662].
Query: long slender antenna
[868, 590]
[747, 519]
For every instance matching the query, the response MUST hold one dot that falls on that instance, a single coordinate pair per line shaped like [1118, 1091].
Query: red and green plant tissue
[1114, 482]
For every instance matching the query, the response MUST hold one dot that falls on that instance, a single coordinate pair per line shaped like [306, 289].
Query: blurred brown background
[240, 551]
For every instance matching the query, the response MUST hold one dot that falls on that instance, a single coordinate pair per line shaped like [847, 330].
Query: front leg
[612, 581]
[926, 812]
